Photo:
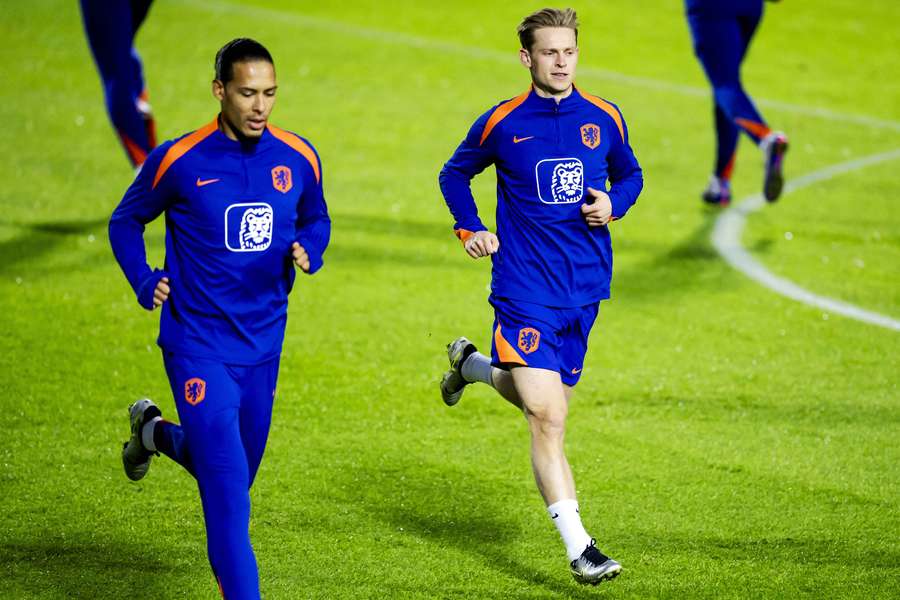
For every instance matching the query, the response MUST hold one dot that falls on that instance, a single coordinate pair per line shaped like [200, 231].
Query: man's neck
[552, 94]
[233, 134]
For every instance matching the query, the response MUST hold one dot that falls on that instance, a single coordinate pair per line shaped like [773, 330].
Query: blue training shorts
[542, 337]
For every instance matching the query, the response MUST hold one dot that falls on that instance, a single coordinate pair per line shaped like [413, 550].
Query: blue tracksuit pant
[111, 26]
[721, 36]
[225, 412]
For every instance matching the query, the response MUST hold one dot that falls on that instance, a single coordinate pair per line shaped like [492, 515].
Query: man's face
[552, 59]
[247, 99]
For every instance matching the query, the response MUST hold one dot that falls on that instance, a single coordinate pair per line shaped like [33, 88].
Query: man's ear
[525, 57]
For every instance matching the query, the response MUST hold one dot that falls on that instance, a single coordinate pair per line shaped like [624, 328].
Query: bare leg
[545, 402]
[503, 382]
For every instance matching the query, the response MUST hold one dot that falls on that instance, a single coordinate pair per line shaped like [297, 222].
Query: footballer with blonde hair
[555, 147]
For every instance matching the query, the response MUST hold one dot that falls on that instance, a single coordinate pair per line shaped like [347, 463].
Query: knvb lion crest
[566, 184]
[281, 179]
[529, 339]
[249, 226]
[256, 228]
[560, 180]
[194, 391]
[590, 135]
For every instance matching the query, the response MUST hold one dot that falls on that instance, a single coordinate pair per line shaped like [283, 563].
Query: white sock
[717, 184]
[568, 522]
[147, 434]
[477, 368]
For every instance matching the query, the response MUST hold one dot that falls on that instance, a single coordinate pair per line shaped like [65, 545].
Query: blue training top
[546, 155]
[232, 213]
[724, 8]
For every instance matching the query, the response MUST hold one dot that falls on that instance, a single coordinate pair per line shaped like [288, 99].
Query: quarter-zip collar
[244, 148]
[564, 105]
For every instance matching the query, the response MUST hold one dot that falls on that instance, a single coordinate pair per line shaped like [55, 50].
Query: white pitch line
[726, 237]
[281, 17]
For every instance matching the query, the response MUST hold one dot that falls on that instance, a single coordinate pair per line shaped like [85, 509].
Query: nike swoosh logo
[555, 516]
[576, 371]
[202, 182]
[516, 140]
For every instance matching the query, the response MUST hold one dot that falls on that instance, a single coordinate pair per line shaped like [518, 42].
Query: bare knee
[548, 422]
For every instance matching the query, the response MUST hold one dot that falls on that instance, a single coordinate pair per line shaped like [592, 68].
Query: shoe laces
[592, 554]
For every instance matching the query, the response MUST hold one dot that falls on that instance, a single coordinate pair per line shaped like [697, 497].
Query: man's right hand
[482, 243]
[161, 293]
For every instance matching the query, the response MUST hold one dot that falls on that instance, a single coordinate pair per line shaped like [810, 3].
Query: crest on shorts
[529, 339]
[590, 135]
[281, 179]
[194, 391]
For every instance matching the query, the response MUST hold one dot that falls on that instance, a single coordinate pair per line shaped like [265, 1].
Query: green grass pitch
[727, 442]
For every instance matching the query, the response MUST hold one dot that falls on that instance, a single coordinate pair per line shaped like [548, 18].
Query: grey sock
[147, 434]
[477, 368]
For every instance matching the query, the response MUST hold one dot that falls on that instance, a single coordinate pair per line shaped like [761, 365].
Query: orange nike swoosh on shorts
[202, 182]
[516, 140]
[576, 371]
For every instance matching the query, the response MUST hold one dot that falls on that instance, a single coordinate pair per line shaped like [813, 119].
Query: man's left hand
[301, 258]
[599, 212]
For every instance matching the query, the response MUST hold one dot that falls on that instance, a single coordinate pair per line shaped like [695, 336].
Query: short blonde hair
[546, 17]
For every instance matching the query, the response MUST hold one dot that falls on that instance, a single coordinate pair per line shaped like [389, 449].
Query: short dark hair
[239, 50]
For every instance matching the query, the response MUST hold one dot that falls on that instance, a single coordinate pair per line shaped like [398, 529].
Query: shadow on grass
[464, 511]
[82, 569]
[40, 239]
[687, 267]
[406, 249]
[775, 550]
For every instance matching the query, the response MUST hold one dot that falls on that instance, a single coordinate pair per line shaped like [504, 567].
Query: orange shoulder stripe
[501, 113]
[180, 147]
[608, 109]
[505, 351]
[299, 145]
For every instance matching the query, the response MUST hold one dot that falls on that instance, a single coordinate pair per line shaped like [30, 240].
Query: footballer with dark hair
[243, 204]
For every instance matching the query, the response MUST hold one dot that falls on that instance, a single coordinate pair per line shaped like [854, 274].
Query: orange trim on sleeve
[608, 109]
[505, 350]
[149, 123]
[463, 234]
[181, 147]
[501, 112]
[135, 152]
[299, 145]
[726, 174]
[760, 130]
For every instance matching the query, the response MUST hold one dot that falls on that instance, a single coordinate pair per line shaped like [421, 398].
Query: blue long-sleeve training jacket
[724, 8]
[232, 212]
[546, 155]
